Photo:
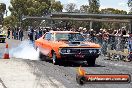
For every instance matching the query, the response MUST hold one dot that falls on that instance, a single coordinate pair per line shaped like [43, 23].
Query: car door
[46, 44]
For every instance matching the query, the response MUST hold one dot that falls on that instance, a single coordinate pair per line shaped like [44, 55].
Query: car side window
[47, 36]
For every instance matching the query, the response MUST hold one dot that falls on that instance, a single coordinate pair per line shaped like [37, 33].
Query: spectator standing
[100, 35]
[113, 40]
[124, 38]
[13, 34]
[36, 34]
[31, 34]
[17, 33]
[92, 35]
[8, 33]
[20, 34]
[130, 47]
[119, 40]
[105, 36]
[85, 33]
[40, 32]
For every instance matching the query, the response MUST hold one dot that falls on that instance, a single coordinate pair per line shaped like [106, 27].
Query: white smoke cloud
[25, 51]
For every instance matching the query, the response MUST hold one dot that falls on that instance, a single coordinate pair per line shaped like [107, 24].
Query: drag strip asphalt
[66, 74]
[25, 73]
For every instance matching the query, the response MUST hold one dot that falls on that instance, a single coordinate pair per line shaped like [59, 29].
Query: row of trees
[21, 8]
[2, 11]
[93, 7]
[130, 5]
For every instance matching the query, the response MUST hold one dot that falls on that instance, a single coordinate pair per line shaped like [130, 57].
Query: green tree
[112, 11]
[2, 7]
[130, 5]
[70, 7]
[57, 6]
[94, 6]
[84, 8]
[112, 25]
[2, 11]
[21, 8]
[10, 21]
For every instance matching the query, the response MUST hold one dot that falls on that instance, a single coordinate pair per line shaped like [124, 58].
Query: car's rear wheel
[41, 56]
[91, 61]
[54, 59]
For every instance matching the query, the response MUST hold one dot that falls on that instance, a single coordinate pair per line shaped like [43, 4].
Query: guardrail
[115, 47]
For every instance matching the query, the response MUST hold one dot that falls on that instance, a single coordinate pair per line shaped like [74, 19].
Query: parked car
[67, 45]
[2, 36]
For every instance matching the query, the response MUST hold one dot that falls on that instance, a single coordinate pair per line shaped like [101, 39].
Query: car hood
[77, 44]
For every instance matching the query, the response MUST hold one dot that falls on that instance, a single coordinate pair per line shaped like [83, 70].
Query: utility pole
[1, 18]
[91, 24]
[131, 26]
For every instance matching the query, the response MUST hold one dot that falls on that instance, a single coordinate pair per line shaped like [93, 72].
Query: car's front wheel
[91, 61]
[54, 59]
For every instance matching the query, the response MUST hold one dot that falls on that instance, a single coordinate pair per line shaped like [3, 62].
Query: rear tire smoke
[25, 50]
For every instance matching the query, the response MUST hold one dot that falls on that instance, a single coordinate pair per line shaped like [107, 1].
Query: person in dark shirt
[31, 34]
[8, 33]
[92, 35]
[17, 33]
[20, 34]
[124, 32]
[12, 33]
[40, 32]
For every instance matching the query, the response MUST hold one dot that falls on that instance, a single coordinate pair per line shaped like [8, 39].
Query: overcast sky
[117, 4]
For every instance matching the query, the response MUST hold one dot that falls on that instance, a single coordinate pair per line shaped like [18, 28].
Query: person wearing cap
[44, 31]
[100, 36]
[85, 33]
[92, 35]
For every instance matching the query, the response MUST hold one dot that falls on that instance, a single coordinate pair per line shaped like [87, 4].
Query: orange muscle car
[67, 45]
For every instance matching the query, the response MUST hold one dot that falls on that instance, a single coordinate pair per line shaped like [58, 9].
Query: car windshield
[69, 36]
